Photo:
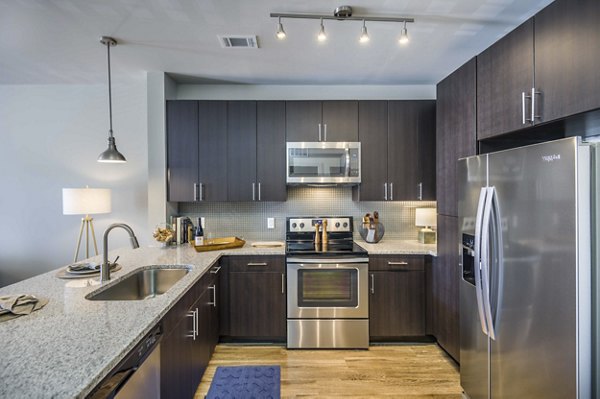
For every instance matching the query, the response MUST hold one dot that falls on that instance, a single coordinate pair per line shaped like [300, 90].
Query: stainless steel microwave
[323, 163]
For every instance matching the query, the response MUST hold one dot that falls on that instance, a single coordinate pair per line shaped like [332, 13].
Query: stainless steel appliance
[327, 286]
[136, 376]
[323, 162]
[525, 291]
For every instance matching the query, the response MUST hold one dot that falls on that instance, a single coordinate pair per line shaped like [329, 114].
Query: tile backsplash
[249, 219]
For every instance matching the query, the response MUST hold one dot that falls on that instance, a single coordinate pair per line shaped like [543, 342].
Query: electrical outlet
[270, 223]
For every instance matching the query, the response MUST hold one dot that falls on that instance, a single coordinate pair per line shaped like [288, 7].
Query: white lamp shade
[426, 217]
[86, 201]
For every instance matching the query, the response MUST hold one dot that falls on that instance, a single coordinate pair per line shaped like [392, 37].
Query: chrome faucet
[105, 267]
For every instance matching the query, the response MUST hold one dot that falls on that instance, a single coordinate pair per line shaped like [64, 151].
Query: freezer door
[533, 293]
[474, 363]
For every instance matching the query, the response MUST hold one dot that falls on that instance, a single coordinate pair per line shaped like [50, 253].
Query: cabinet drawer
[256, 264]
[397, 262]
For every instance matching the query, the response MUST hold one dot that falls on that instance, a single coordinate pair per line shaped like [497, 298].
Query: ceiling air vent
[238, 41]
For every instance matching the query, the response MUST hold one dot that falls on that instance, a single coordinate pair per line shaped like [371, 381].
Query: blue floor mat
[246, 382]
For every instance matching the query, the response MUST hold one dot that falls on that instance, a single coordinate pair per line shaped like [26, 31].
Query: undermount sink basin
[145, 283]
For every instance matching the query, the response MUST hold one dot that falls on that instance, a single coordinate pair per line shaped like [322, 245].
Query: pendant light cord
[109, 92]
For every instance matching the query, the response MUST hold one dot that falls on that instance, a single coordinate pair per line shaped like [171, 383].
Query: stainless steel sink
[145, 283]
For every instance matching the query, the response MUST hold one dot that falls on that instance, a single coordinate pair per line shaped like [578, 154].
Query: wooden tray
[216, 244]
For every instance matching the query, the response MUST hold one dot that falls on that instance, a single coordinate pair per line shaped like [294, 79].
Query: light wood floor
[403, 371]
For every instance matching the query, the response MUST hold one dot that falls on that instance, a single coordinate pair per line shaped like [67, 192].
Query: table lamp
[426, 218]
[86, 201]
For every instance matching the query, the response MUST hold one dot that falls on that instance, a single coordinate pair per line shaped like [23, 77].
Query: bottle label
[199, 241]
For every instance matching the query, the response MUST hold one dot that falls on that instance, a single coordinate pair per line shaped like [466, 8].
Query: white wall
[50, 138]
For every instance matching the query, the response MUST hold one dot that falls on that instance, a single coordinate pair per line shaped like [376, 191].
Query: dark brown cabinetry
[397, 300]
[212, 160]
[241, 151]
[270, 151]
[190, 334]
[455, 132]
[445, 287]
[322, 121]
[182, 149]
[255, 298]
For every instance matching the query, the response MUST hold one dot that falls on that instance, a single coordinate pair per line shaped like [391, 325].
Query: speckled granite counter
[66, 348]
[398, 247]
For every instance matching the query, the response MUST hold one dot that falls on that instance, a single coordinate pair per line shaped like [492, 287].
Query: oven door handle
[328, 261]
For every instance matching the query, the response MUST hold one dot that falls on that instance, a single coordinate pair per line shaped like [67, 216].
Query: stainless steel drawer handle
[257, 264]
[215, 270]
[193, 314]
[398, 263]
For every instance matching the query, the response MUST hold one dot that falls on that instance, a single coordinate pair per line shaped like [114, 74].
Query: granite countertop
[65, 349]
[398, 247]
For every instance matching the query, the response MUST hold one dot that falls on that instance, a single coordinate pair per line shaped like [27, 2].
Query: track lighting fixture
[343, 13]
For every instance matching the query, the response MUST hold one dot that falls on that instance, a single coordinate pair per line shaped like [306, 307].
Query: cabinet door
[567, 52]
[504, 72]
[176, 374]
[340, 120]
[182, 149]
[373, 136]
[270, 151]
[241, 151]
[200, 348]
[397, 304]
[455, 132]
[303, 119]
[257, 305]
[411, 150]
[445, 287]
[212, 131]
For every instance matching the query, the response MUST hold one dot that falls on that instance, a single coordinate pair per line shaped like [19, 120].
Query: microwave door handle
[477, 259]
[485, 261]
[347, 174]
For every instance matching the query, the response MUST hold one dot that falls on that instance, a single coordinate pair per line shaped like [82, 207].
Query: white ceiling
[56, 41]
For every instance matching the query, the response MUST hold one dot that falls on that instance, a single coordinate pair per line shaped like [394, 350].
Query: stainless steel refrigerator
[526, 261]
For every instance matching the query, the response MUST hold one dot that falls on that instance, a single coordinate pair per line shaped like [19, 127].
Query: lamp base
[427, 236]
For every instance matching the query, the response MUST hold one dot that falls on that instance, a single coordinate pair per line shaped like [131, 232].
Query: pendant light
[111, 155]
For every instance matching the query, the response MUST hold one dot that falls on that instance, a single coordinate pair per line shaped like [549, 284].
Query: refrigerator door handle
[477, 260]
[497, 286]
[485, 260]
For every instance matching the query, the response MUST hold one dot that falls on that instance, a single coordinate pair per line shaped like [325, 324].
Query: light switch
[270, 223]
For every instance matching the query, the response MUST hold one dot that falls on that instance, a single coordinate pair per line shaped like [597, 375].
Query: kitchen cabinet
[256, 298]
[241, 151]
[398, 151]
[270, 151]
[446, 275]
[182, 150]
[321, 121]
[455, 132]
[212, 160]
[190, 334]
[411, 150]
[397, 300]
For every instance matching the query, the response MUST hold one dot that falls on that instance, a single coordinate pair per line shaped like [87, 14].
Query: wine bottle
[199, 233]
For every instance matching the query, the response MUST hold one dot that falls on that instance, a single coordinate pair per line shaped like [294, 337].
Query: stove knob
[337, 224]
[294, 225]
[345, 224]
[301, 225]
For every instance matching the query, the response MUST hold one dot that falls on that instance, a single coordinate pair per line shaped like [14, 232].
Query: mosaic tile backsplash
[249, 219]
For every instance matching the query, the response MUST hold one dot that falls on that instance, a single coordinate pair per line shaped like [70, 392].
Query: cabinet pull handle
[325, 132]
[385, 191]
[372, 283]
[259, 191]
[195, 191]
[320, 132]
[398, 263]
[214, 291]
[197, 322]
[253, 191]
[524, 96]
[533, 94]
[201, 192]
[420, 187]
[391, 191]
[282, 283]
[193, 315]
[257, 264]
[215, 270]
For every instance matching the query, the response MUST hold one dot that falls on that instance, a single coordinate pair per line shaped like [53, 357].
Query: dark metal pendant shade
[112, 155]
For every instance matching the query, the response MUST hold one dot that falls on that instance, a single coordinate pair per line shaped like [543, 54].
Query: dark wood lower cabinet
[397, 300]
[175, 361]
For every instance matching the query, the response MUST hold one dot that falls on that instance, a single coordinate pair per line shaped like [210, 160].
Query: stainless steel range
[327, 284]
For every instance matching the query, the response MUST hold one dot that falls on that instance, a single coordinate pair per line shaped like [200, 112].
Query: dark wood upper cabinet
[182, 149]
[270, 150]
[340, 120]
[373, 136]
[411, 150]
[241, 151]
[504, 75]
[322, 121]
[212, 161]
[567, 53]
[455, 131]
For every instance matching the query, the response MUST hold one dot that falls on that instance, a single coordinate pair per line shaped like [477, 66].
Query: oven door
[327, 290]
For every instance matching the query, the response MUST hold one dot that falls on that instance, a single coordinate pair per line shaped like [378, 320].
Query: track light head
[322, 36]
[280, 32]
[403, 36]
[364, 35]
